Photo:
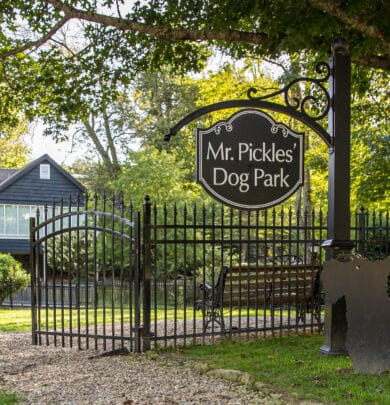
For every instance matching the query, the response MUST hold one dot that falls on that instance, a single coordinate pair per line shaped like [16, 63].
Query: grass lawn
[13, 320]
[7, 398]
[19, 319]
[292, 364]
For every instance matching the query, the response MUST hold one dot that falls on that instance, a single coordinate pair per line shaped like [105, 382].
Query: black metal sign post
[249, 161]
[222, 173]
[338, 188]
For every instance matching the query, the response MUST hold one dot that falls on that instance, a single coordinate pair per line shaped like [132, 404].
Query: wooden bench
[263, 287]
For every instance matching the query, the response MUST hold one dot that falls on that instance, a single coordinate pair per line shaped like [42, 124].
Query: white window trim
[44, 171]
[33, 210]
[3, 234]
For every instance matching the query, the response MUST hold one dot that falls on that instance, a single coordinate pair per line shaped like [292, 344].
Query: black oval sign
[249, 161]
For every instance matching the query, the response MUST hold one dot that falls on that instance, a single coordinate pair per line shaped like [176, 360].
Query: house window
[15, 220]
[44, 171]
[11, 219]
[2, 219]
[24, 219]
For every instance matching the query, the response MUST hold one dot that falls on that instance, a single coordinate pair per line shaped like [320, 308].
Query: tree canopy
[62, 60]
[150, 32]
[13, 149]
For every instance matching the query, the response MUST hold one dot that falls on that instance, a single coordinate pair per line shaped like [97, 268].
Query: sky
[61, 152]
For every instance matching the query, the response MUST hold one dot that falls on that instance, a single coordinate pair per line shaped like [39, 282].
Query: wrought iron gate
[85, 274]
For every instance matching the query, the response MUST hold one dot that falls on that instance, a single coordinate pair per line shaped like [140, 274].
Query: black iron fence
[371, 234]
[106, 275]
[193, 244]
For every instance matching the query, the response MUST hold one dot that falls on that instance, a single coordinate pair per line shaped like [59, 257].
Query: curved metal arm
[295, 107]
[253, 103]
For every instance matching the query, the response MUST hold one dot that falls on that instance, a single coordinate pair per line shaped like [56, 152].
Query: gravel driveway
[50, 375]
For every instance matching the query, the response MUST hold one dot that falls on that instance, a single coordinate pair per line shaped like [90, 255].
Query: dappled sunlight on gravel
[55, 375]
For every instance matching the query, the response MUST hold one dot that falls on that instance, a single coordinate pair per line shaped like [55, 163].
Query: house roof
[9, 176]
[5, 173]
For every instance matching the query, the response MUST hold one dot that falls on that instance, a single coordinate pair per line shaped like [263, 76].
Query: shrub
[12, 276]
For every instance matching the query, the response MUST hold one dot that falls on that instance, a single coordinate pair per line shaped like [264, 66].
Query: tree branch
[274, 62]
[370, 61]
[157, 31]
[181, 34]
[39, 42]
[110, 141]
[332, 8]
[377, 61]
[99, 147]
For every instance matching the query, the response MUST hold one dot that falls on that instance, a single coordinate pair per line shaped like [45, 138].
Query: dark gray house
[22, 191]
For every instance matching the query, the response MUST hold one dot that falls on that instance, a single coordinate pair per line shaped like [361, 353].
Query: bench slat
[287, 267]
[261, 286]
[301, 279]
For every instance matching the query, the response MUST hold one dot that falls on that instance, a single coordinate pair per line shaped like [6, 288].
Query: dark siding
[30, 189]
[20, 246]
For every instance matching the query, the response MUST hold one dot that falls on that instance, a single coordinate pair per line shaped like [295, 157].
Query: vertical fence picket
[154, 271]
[195, 270]
[121, 273]
[53, 275]
[45, 280]
[175, 274]
[203, 267]
[212, 264]
[33, 278]
[230, 274]
[134, 257]
[185, 259]
[112, 271]
[95, 271]
[70, 267]
[264, 263]
[104, 272]
[78, 272]
[87, 280]
[222, 262]
[257, 247]
[287, 263]
[137, 288]
[146, 276]
[62, 272]
[289, 252]
[165, 274]
[247, 261]
[240, 287]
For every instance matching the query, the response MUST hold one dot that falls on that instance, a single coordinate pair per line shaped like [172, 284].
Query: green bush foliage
[12, 276]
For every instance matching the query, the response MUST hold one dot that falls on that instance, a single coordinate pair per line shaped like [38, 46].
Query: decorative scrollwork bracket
[314, 105]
